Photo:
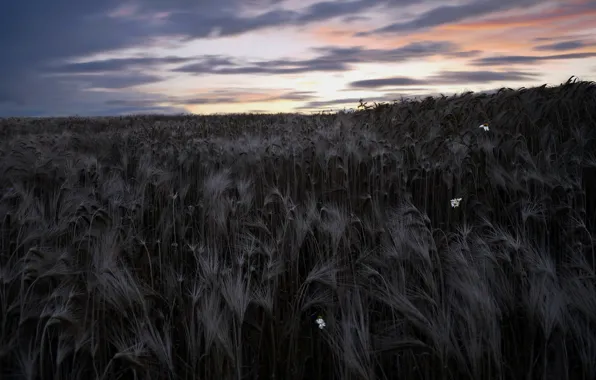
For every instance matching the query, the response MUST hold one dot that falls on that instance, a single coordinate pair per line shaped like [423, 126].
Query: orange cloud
[547, 18]
[486, 40]
[502, 34]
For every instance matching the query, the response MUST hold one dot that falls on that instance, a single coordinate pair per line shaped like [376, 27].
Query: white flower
[320, 322]
[484, 126]
[455, 202]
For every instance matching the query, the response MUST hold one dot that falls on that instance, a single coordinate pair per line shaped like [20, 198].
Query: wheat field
[444, 238]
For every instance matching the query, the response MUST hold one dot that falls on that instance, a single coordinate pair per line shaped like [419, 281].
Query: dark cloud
[115, 64]
[113, 80]
[464, 54]
[545, 39]
[351, 19]
[130, 103]
[329, 59]
[565, 37]
[410, 51]
[527, 59]
[265, 67]
[445, 78]
[210, 100]
[567, 45]
[202, 20]
[386, 82]
[452, 13]
[327, 10]
[464, 77]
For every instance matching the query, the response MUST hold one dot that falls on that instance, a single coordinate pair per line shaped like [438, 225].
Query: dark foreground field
[208, 247]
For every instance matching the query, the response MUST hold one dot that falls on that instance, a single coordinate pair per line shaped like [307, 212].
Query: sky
[115, 57]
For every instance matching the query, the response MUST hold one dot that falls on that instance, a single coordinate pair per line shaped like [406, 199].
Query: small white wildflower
[484, 126]
[320, 322]
[455, 202]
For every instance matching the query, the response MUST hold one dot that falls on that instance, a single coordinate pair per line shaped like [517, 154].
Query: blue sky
[67, 57]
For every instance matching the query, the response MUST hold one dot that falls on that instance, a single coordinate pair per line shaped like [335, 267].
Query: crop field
[444, 238]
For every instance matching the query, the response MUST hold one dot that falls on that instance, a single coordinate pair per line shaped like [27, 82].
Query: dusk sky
[87, 58]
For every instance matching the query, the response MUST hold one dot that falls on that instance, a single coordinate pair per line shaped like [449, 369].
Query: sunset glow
[283, 56]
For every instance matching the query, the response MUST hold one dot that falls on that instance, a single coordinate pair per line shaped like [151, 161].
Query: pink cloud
[124, 11]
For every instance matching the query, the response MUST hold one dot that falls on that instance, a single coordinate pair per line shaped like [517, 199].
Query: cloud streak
[450, 14]
[446, 77]
[528, 59]
[330, 59]
[563, 46]
[116, 64]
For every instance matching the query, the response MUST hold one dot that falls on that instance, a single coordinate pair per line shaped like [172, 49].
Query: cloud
[263, 67]
[565, 37]
[464, 77]
[330, 59]
[386, 82]
[451, 14]
[328, 10]
[115, 64]
[567, 45]
[113, 80]
[351, 19]
[446, 78]
[202, 21]
[244, 97]
[503, 60]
